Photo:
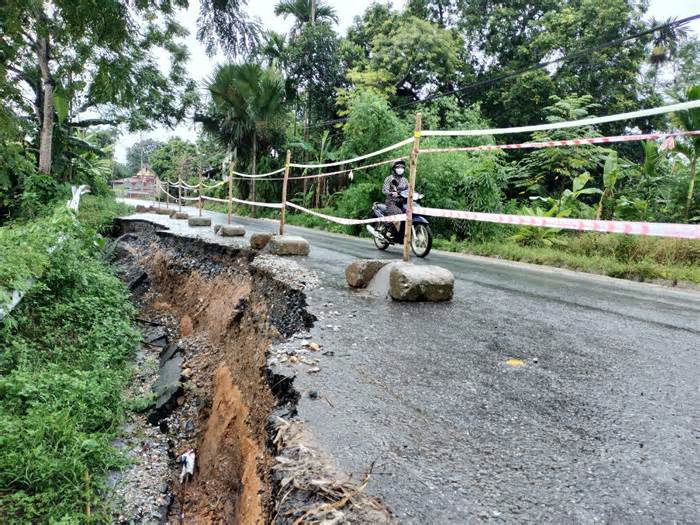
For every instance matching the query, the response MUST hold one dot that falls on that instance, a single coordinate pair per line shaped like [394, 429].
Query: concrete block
[180, 215]
[199, 221]
[232, 230]
[409, 282]
[359, 273]
[259, 240]
[288, 245]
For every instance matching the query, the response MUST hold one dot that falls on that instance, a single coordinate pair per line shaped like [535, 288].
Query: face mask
[399, 171]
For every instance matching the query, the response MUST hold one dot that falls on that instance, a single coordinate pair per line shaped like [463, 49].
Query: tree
[86, 66]
[176, 158]
[224, 23]
[305, 12]
[139, 155]
[248, 103]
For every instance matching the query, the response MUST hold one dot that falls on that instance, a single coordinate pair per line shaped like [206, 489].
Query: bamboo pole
[199, 193]
[283, 210]
[167, 194]
[179, 194]
[408, 228]
[231, 168]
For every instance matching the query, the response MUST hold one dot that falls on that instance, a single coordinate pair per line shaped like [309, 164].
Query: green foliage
[622, 256]
[62, 373]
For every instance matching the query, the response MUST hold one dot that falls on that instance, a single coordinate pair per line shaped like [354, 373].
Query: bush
[62, 373]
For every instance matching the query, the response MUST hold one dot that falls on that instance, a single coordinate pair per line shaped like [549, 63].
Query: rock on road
[599, 424]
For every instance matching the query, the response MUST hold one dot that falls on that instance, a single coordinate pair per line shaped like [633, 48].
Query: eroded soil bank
[221, 309]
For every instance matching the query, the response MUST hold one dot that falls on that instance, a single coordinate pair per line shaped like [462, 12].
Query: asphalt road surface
[600, 424]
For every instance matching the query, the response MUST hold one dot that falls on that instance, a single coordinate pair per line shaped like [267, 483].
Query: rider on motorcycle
[394, 184]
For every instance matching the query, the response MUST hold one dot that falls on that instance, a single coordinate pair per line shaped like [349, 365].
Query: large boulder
[163, 211]
[231, 230]
[179, 215]
[288, 245]
[140, 208]
[199, 221]
[259, 240]
[409, 282]
[359, 273]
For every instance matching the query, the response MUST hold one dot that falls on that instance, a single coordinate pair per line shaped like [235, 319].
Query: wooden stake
[167, 194]
[199, 193]
[408, 228]
[231, 168]
[179, 194]
[283, 210]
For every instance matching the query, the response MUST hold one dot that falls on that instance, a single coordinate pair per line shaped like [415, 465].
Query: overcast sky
[201, 66]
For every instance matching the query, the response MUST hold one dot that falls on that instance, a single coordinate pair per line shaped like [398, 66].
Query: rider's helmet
[398, 164]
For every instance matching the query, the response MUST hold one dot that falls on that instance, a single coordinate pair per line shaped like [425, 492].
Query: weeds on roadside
[65, 362]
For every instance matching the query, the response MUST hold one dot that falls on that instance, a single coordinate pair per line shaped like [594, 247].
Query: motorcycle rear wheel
[421, 240]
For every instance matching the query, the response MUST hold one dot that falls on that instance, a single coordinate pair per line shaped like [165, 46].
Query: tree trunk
[307, 104]
[46, 138]
[255, 147]
[691, 189]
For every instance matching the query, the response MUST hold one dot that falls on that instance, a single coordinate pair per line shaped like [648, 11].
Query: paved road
[600, 425]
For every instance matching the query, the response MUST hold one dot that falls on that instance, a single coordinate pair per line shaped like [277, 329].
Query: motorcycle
[421, 238]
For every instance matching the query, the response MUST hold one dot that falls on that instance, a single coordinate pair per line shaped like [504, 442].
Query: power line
[527, 69]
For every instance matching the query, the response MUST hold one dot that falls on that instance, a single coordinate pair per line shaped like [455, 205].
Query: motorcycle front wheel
[381, 245]
[421, 240]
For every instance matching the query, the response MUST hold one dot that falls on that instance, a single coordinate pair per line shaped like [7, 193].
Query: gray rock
[163, 211]
[199, 221]
[232, 230]
[288, 245]
[168, 353]
[140, 208]
[166, 389]
[409, 282]
[259, 240]
[359, 273]
[180, 215]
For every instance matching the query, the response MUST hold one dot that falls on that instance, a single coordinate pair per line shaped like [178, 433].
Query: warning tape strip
[568, 142]
[240, 201]
[257, 175]
[658, 229]
[562, 125]
[348, 222]
[356, 159]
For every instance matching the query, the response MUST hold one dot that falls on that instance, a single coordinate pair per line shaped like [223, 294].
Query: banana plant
[690, 147]
[611, 174]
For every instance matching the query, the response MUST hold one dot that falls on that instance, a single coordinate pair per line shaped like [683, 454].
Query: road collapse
[235, 454]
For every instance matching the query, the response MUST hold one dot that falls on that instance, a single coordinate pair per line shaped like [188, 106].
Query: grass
[65, 362]
[622, 256]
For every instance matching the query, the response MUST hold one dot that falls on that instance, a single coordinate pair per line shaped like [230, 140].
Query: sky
[201, 66]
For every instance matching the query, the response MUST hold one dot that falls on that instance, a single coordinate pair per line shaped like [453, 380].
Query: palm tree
[225, 23]
[249, 101]
[305, 12]
[690, 148]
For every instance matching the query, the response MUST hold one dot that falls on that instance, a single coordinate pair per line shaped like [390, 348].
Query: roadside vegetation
[63, 367]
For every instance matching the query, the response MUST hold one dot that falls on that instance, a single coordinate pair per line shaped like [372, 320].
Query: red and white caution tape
[348, 222]
[562, 125]
[356, 159]
[189, 198]
[568, 142]
[658, 229]
[214, 199]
